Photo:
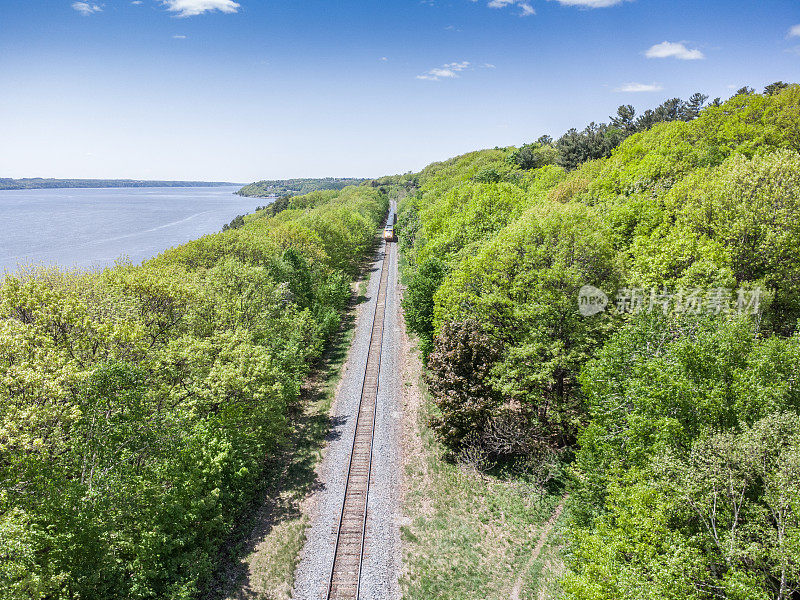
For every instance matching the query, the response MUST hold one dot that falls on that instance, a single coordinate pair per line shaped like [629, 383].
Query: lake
[91, 228]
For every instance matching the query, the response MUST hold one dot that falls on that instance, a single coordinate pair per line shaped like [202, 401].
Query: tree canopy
[676, 395]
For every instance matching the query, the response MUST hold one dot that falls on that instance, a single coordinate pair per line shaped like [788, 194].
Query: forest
[669, 413]
[293, 187]
[139, 405]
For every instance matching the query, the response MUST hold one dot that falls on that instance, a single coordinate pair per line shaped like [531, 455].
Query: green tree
[625, 119]
[774, 88]
[691, 108]
[533, 156]
[523, 289]
[418, 300]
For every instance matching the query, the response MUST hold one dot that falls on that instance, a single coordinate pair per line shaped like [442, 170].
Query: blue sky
[244, 90]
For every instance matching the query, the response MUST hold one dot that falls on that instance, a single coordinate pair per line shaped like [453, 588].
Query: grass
[362, 292]
[543, 580]
[470, 535]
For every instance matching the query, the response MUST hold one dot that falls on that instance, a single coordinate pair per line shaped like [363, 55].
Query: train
[388, 230]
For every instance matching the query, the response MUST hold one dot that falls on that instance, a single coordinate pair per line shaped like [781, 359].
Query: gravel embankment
[382, 558]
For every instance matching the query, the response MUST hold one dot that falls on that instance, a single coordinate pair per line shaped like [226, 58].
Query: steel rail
[345, 577]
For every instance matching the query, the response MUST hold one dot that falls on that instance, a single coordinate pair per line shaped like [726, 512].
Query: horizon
[217, 90]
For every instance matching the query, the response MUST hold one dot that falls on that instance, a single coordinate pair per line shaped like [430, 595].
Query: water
[91, 228]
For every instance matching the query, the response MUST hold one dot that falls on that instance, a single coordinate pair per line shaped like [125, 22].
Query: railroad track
[345, 578]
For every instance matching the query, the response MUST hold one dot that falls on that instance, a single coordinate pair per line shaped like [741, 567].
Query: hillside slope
[658, 401]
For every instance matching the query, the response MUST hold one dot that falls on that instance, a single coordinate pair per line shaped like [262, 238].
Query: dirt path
[538, 549]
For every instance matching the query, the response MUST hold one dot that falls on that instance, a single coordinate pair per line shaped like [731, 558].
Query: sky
[243, 90]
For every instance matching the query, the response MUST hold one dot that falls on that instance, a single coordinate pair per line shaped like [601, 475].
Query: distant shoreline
[270, 188]
[36, 183]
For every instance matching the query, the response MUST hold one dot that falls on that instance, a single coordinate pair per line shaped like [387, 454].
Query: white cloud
[673, 50]
[190, 8]
[86, 8]
[795, 31]
[591, 3]
[639, 87]
[448, 71]
[458, 66]
[178, 37]
[525, 8]
[137, 2]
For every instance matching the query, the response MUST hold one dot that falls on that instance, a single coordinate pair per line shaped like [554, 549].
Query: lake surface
[91, 228]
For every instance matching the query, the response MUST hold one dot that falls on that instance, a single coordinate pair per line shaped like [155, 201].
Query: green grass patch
[470, 535]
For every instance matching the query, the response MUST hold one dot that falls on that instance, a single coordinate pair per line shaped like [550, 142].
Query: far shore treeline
[37, 183]
[296, 187]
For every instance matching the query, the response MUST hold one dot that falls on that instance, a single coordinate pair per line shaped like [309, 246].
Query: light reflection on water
[91, 228]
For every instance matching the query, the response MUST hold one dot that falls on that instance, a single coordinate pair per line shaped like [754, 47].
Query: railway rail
[345, 577]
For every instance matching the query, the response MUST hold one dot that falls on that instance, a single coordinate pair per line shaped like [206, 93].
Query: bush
[459, 367]
[418, 300]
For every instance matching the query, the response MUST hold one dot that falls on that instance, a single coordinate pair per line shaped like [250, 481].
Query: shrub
[459, 367]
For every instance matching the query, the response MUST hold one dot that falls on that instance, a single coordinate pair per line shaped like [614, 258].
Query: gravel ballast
[382, 554]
